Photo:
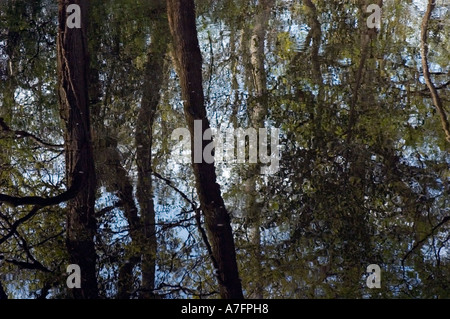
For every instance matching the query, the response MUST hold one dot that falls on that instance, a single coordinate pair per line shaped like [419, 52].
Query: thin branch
[18, 222]
[186, 290]
[108, 209]
[26, 265]
[202, 231]
[420, 242]
[35, 263]
[22, 134]
[211, 67]
[426, 72]
[170, 184]
[48, 239]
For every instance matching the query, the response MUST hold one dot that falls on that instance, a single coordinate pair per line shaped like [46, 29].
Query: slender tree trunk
[144, 143]
[366, 37]
[115, 177]
[259, 76]
[188, 57]
[318, 140]
[11, 82]
[112, 174]
[74, 108]
[109, 167]
[8, 98]
[426, 73]
[257, 114]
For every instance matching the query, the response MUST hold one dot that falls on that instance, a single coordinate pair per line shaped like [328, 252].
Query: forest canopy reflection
[89, 176]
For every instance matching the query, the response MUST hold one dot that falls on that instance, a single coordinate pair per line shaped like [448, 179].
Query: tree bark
[426, 72]
[257, 113]
[144, 143]
[182, 23]
[73, 61]
[257, 47]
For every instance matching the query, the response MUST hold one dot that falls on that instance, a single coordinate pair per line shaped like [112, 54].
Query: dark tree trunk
[73, 64]
[144, 143]
[187, 54]
[3, 295]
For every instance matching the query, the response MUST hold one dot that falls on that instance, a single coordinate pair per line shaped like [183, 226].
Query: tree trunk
[114, 176]
[74, 108]
[144, 143]
[188, 57]
[12, 46]
[109, 168]
[366, 37]
[3, 295]
[8, 103]
[315, 34]
[257, 114]
[426, 72]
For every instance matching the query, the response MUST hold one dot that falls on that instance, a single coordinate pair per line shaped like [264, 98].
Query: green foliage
[345, 196]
